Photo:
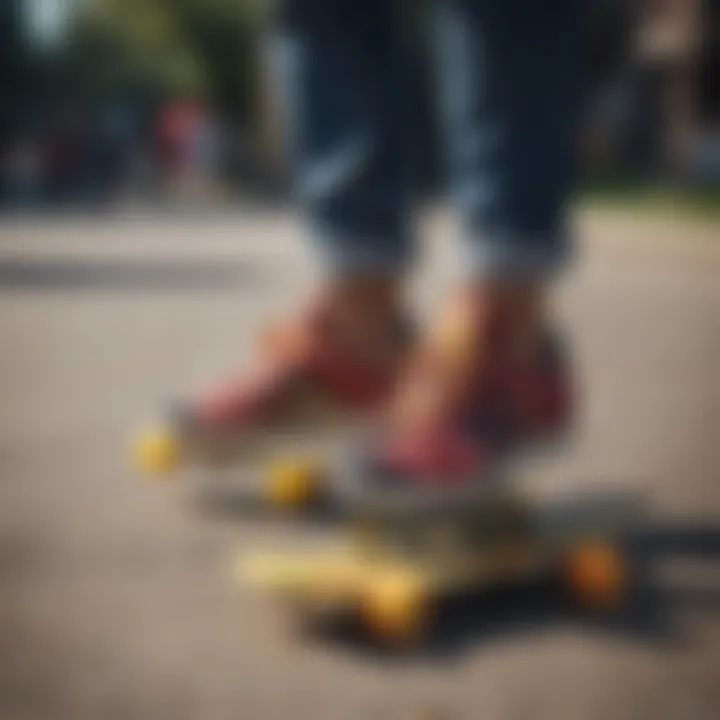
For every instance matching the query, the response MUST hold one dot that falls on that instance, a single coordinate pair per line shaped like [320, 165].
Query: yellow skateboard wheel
[157, 451]
[293, 482]
[596, 575]
[395, 610]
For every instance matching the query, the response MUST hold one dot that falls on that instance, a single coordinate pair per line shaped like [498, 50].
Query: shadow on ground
[463, 623]
[126, 275]
[649, 617]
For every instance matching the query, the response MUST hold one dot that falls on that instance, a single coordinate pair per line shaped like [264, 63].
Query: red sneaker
[498, 411]
[302, 373]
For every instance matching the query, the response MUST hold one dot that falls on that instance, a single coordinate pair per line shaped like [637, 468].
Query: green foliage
[161, 47]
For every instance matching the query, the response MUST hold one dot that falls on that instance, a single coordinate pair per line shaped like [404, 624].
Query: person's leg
[343, 67]
[341, 63]
[486, 373]
[510, 91]
[510, 94]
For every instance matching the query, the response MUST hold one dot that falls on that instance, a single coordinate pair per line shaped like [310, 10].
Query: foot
[338, 358]
[488, 378]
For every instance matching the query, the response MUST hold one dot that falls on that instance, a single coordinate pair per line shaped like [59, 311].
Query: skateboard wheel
[293, 483]
[596, 575]
[395, 610]
[157, 451]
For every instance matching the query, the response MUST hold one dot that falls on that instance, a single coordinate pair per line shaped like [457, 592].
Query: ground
[116, 597]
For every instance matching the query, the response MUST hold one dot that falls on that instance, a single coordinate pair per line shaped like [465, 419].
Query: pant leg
[342, 62]
[509, 99]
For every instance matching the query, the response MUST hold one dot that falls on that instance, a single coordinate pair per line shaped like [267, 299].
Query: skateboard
[285, 472]
[396, 560]
[319, 479]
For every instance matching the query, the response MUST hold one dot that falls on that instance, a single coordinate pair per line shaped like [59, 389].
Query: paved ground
[115, 600]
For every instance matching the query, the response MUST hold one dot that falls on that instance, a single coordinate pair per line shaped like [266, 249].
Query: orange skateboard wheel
[596, 574]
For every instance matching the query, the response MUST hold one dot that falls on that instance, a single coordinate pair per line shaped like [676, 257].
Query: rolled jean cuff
[342, 253]
[501, 255]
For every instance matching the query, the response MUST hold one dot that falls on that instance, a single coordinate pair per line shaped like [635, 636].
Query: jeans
[507, 97]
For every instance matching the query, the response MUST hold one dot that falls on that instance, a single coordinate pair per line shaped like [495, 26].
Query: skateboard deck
[392, 565]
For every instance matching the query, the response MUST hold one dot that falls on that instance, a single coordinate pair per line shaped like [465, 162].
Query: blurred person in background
[64, 155]
[21, 173]
[176, 125]
[486, 372]
[106, 153]
[205, 155]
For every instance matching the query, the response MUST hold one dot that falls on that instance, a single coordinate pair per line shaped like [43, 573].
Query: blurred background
[125, 100]
[116, 596]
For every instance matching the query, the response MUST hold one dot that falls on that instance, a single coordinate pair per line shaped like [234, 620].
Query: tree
[161, 47]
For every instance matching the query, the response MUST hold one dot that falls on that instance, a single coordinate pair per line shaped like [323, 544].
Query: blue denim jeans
[507, 99]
